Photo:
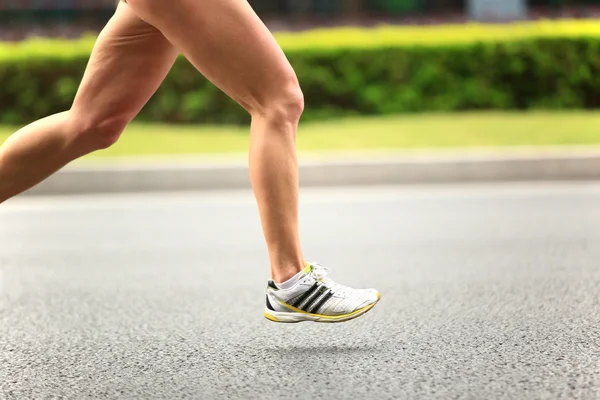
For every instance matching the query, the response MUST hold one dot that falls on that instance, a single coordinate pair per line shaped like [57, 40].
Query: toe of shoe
[370, 296]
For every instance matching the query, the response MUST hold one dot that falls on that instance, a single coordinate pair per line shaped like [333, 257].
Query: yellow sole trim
[270, 317]
[335, 321]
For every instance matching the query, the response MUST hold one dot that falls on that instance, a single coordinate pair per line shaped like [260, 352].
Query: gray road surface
[489, 292]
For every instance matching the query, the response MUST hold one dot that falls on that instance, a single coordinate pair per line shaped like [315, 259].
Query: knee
[93, 133]
[285, 106]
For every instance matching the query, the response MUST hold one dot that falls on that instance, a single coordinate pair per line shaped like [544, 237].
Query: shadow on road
[307, 350]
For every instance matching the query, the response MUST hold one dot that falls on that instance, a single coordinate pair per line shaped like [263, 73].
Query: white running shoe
[312, 296]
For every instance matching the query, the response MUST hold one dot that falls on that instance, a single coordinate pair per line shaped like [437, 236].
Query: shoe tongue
[308, 269]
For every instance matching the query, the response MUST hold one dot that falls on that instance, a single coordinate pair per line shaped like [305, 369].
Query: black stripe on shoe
[305, 295]
[321, 302]
[311, 301]
[269, 306]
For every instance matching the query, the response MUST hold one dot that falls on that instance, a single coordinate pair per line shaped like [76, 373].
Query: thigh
[128, 63]
[227, 42]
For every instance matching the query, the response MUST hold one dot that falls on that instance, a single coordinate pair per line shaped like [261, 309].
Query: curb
[381, 169]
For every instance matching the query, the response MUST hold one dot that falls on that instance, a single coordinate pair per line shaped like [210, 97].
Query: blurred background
[410, 74]
[20, 18]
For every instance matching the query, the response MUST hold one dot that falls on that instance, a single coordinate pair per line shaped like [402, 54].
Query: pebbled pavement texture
[489, 292]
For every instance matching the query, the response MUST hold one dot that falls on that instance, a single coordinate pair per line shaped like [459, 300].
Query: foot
[312, 296]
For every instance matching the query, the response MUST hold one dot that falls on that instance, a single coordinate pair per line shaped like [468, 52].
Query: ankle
[284, 273]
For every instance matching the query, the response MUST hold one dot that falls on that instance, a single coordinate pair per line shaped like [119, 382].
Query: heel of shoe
[283, 317]
[271, 317]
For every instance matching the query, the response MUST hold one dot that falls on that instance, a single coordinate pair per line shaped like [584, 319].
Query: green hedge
[525, 66]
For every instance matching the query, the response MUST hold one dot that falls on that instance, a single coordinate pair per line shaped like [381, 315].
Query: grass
[465, 130]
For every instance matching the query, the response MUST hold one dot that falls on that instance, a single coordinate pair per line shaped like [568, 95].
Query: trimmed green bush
[549, 65]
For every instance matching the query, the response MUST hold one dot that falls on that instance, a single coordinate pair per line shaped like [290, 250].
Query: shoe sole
[295, 317]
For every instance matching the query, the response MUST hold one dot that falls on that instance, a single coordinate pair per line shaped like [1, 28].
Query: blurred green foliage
[545, 65]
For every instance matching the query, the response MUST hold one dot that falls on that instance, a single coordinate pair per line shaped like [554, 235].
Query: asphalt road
[489, 292]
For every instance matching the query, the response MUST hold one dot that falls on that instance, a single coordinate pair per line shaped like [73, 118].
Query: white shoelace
[320, 272]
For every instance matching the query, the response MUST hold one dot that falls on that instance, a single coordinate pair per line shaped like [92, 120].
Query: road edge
[341, 171]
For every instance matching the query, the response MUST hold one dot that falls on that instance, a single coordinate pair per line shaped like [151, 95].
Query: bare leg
[226, 41]
[129, 54]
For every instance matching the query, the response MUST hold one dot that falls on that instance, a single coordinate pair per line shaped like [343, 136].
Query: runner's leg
[128, 63]
[227, 42]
